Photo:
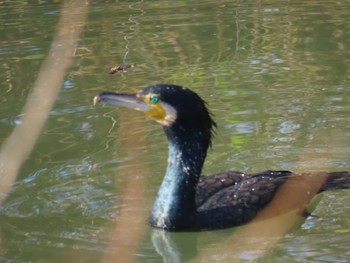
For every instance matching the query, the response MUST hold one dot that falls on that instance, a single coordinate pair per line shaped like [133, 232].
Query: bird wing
[236, 194]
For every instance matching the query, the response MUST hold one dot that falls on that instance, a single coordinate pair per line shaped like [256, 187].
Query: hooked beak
[121, 99]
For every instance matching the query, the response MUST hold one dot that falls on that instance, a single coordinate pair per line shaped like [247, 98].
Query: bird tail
[337, 180]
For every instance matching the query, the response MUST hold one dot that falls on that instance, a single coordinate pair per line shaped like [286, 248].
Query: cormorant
[187, 201]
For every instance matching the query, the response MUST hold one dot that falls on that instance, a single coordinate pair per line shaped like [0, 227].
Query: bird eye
[154, 99]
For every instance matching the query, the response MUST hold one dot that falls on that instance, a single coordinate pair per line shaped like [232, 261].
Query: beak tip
[97, 99]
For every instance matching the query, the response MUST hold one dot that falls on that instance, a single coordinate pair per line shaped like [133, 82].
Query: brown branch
[131, 223]
[20, 143]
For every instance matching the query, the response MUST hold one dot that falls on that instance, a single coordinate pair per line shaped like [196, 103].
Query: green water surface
[275, 74]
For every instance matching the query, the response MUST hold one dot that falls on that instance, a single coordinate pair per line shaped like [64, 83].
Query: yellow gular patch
[157, 111]
[160, 111]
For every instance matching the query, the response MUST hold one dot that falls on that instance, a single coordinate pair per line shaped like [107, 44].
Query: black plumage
[187, 201]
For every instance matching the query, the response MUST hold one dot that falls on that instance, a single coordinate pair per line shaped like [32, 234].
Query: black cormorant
[187, 201]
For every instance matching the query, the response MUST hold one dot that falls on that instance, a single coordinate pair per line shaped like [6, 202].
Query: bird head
[169, 105]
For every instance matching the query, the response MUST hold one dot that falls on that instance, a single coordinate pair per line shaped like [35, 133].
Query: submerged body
[187, 201]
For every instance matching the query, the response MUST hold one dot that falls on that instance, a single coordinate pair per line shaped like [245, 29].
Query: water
[275, 75]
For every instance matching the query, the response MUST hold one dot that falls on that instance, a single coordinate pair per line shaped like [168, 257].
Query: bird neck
[174, 207]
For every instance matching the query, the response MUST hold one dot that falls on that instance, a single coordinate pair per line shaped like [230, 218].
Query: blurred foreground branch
[18, 146]
[131, 224]
[252, 241]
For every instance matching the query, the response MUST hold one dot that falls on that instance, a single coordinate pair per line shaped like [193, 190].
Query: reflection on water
[174, 247]
[274, 74]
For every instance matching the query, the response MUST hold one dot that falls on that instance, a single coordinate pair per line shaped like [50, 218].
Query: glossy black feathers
[192, 111]
[187, 201]
[232, 198]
